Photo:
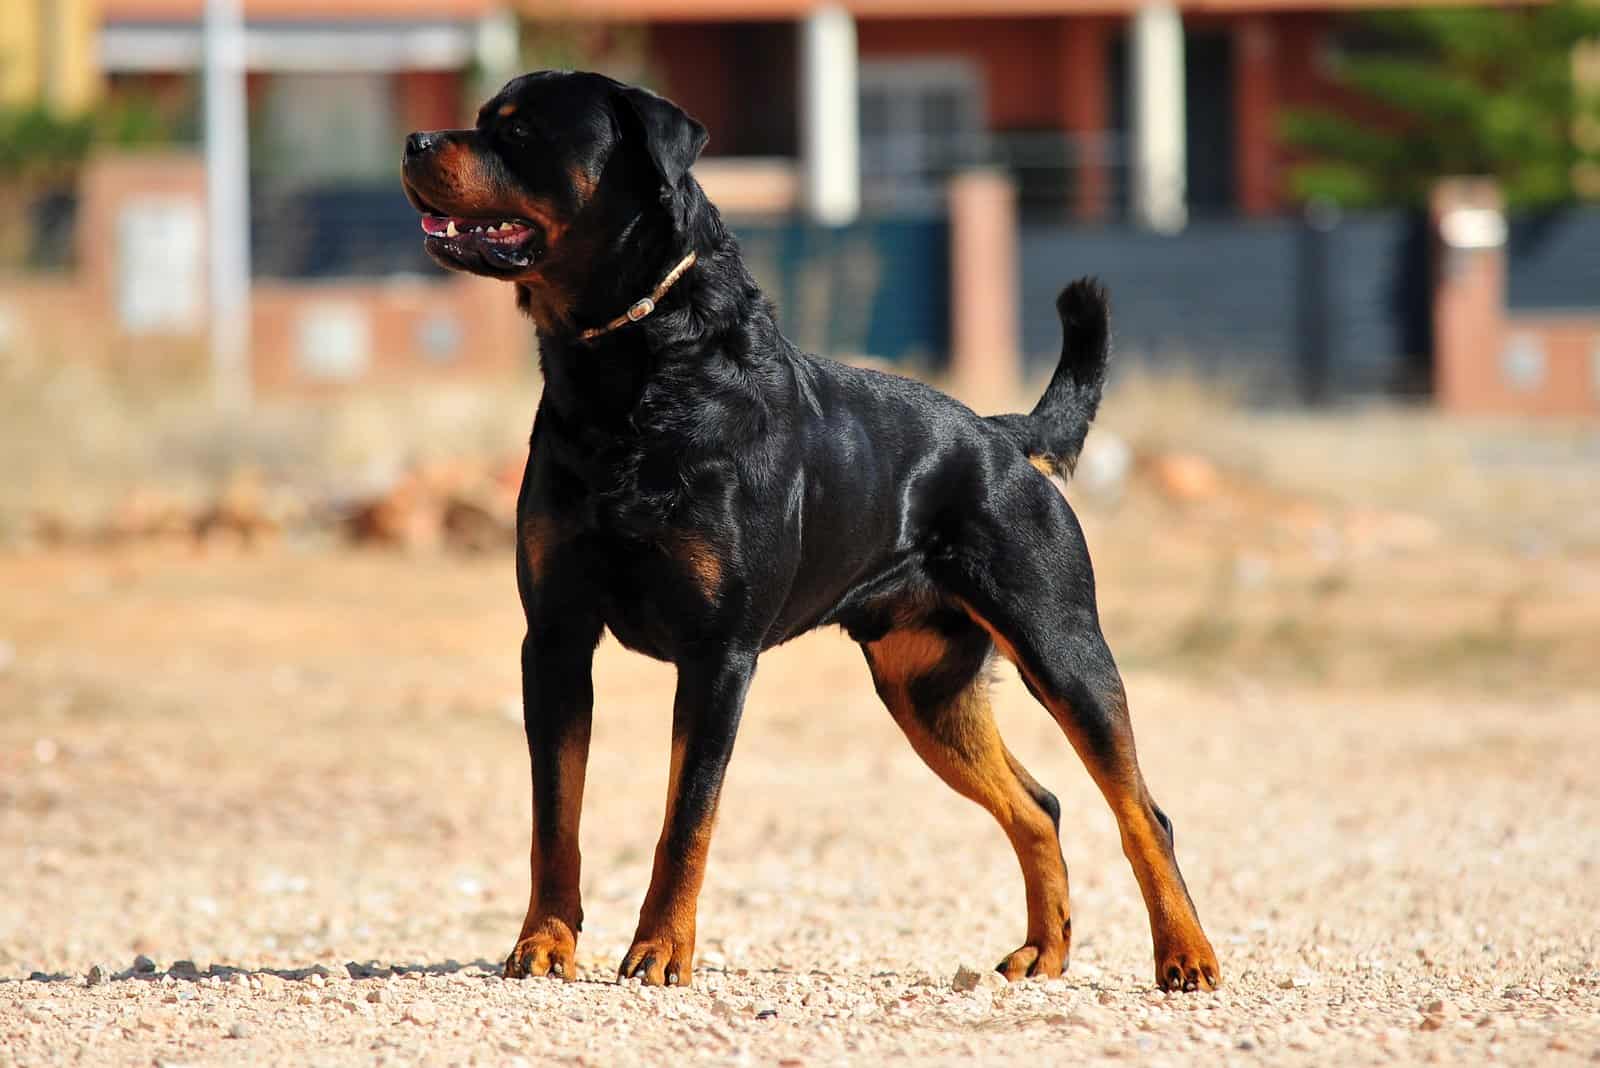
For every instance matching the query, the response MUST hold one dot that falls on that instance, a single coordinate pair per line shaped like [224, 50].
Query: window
[317, 127]
[921, 119]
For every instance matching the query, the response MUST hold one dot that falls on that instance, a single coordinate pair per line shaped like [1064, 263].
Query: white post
[498, 49]
[1156, 93]
[227, 146]
[829, 116]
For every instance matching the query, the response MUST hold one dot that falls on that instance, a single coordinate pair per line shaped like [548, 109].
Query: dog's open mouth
[500, 246]
[496, 247]
[500, 231]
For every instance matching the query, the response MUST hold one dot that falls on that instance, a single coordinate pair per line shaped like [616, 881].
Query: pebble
[967, 978]
[380, 996]
[96, 976]
[239, 1029]
[422, 1011]
[143, 965]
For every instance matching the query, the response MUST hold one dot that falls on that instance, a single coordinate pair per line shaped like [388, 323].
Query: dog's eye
[518, 130]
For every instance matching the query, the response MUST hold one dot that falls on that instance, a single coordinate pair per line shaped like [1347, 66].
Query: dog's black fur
[705, 491]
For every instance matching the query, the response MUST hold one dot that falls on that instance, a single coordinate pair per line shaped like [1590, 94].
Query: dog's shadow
[186, 971]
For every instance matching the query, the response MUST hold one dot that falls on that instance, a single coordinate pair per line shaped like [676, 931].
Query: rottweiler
[705, 491]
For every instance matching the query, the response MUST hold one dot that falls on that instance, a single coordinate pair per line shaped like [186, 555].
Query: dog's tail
[1052, 434]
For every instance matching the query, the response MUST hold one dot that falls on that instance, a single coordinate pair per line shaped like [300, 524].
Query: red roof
[667, 10]
[343, 10]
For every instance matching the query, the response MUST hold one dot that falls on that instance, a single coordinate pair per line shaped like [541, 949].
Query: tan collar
[645, 305]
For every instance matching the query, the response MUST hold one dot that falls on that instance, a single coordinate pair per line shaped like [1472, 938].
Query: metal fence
[1553, 261]
[1287, 309]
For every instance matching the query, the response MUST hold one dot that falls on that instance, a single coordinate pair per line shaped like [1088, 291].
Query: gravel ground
[295, 786]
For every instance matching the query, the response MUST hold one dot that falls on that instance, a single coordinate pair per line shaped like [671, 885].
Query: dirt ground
[300, 772]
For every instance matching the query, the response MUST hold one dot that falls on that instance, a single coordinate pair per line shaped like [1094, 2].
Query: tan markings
[1001, 643]
[583, 184]
[900, 656]
[549, 305]
[699, 557]
[548, 941]
[545, 215]
[1046, 467]
[540, 534]
[666, 931]
[1174, 925]
[959, 741]
[507, 110]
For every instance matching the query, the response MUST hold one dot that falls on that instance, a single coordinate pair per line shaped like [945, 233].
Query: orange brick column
[985, 360]
[1085, 111]
[1469, 296]
[1255, 105]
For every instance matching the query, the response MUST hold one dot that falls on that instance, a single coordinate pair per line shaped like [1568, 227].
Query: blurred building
[1049, 89]
[911, 181]
[48, 53]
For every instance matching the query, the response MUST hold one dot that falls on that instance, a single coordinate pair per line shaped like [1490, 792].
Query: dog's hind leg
[934, 679]
[1024, 576]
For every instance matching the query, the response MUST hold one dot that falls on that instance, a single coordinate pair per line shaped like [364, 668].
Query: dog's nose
[418, 143]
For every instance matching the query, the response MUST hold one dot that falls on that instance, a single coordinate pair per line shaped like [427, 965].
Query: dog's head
[557, 164]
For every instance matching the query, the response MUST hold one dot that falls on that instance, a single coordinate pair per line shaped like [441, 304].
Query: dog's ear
[672, 139]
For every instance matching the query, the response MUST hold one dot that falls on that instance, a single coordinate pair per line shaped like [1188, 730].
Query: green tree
[1479, 91]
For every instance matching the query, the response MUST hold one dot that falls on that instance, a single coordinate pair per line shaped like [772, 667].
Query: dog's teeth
[505, 226]
[450, 230]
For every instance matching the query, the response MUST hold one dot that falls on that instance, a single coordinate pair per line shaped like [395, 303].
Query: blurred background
[1353, 250]
[259, 457]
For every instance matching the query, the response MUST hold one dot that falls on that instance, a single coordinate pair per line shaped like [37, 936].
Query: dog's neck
[600, 379]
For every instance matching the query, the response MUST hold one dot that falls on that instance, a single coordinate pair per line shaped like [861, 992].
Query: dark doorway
[1208, 90]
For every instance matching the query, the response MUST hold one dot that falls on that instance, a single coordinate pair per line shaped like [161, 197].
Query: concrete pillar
[1085, 110]
[1157, 113]
[1469, 294]
[985, 358]
[830, 126]
[227, 146]
[498, 49]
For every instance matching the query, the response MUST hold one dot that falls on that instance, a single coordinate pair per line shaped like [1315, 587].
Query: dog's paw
[1188, 967]
[1034, 961]
[659, 961]
[549, 951]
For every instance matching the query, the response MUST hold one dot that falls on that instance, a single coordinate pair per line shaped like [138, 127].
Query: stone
[422, 1011]
[966, 979]
[143, 965]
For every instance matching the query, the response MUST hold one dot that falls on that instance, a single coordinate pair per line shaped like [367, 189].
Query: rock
[422, 1011]
[1103, 465]
[993, 982]
[143, 965]
[96, 976]
[240, 1029]
[966, 979]
[316, 980]
[184, 969]
[1185, 477]
[380, 996]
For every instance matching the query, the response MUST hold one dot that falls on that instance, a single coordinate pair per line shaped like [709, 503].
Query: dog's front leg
[557, 711]
[705, 718]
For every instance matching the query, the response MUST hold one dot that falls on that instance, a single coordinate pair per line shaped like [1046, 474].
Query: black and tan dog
[706, 491]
